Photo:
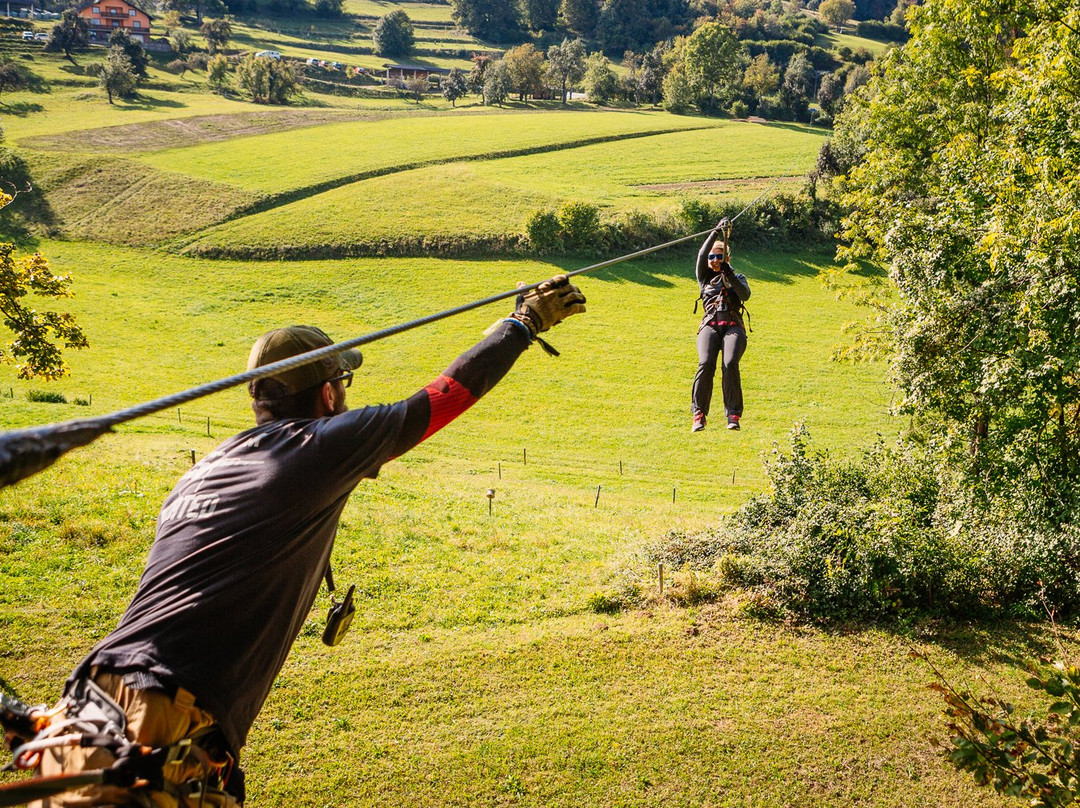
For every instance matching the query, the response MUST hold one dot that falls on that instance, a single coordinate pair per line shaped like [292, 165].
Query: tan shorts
[153, 719]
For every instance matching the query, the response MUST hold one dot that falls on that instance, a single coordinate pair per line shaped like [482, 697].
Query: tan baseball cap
[282, 343]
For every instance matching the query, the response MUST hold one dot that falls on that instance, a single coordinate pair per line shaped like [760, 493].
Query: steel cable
[27, 451]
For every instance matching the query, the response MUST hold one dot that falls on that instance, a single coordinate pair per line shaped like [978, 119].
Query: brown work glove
[549, 304]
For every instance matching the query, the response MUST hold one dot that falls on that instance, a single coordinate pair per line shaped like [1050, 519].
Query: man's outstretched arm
[481, 367]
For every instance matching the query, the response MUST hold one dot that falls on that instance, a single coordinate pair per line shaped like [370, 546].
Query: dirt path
[721, 185]
[178, 132]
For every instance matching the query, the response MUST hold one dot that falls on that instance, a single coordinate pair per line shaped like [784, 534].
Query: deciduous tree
[453, 85]
[393, 34]
[526, 66]
[713, 61]
[580, 16]
[40, 337]
[117, 75]
[969, 195]
[566, 65]
[217, 71]
[497, 83]
[497, 20]
[541, 15]
[133, 50]
[70, 33]
[600, 80]
[762, 77]
[217, 33]
[268, 81]
[836, 12]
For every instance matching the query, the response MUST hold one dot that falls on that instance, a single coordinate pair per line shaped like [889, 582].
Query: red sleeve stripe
[448, 400]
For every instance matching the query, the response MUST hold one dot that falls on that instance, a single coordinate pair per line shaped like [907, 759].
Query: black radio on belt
[340, 615]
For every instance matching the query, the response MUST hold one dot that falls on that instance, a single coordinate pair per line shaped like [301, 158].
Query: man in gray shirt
[242, 545]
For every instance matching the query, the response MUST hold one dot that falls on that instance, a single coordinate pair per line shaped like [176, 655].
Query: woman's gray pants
[730, 340]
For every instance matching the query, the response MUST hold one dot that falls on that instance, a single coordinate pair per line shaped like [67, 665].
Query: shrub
[199, 61]
[888, 535]
[46, 396]
[543, 232]
[1034, 758]
[580, 224]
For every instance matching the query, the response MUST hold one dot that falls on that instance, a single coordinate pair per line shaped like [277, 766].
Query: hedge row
[406, 247]
[779, 222]
[577, 229]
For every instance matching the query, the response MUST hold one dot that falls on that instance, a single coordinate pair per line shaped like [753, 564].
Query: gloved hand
[549, 304]
[722, 226]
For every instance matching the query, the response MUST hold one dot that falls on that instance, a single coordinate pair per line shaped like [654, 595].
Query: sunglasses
[716, 256]
[345, 379]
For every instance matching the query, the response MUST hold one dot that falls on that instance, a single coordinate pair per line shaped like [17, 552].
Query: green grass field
[269, 163]
[647, 173]
[476, 672]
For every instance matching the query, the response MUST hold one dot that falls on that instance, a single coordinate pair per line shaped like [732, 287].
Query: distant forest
[615, 26]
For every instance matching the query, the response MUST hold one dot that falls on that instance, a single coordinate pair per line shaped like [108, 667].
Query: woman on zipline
[723, 292]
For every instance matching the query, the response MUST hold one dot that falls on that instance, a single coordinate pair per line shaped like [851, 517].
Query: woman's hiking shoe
[733, 422]
[699, 422]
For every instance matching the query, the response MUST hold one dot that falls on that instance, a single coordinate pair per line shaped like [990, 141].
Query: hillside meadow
[477, 671]
[651, 174]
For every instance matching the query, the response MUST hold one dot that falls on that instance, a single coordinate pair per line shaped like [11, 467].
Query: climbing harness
[88, 718]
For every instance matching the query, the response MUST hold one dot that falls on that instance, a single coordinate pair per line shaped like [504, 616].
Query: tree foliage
[70, 33]
[713, 61]
[579, 16]
[836, 12]
[969, 194]
[600, 80]
[526, 66]
[133, 49]
[40, 337]
[116, 75]
[267, 81]
[497, 83]
[496, 20]
[393, 34]
[1034, 757]
[566, 65]
[217, 33]
[453, 85]
[541, 15]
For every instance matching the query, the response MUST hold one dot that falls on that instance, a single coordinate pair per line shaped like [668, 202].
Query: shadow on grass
[777, 267]
[145, 102]
[21, 109]
[1012, 642]
[73, 69]
[9, 688]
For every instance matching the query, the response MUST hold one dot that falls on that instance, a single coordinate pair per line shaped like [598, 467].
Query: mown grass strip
[282, 163]
[478, 207]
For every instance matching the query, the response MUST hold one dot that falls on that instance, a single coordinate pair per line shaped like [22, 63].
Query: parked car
[268, 54]
[41, 36]
[313, 62]
[27, 34]
[337, 65]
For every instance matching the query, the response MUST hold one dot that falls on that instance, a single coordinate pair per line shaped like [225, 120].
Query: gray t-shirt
[242, 544]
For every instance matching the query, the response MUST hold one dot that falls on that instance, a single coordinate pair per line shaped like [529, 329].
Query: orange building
[104, 15]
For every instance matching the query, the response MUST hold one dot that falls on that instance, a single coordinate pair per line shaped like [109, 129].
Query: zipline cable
[25, 452]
